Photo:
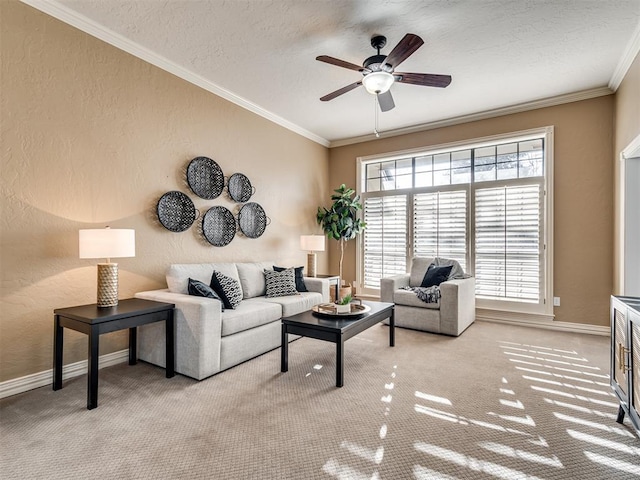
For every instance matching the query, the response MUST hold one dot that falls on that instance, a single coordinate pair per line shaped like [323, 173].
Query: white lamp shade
[107, 243]
[312, 243]
[377, 82]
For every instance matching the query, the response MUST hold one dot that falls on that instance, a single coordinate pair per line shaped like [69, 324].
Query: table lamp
[107, 243]
[312, 243]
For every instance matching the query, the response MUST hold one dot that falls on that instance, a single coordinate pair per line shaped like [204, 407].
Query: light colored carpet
[498, 402]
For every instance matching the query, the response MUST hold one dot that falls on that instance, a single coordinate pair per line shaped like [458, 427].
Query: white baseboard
[548, 324]
[41, 379]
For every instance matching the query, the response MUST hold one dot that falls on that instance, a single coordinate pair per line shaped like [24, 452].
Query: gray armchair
[455, 311]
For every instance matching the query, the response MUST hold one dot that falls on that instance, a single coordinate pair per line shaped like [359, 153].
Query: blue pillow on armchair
[436, 275]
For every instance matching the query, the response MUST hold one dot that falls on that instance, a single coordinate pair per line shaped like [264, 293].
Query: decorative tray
[329, 310]
[205, 178]
[240, 188]
[252, 220]
[219, 226]
[176, 211]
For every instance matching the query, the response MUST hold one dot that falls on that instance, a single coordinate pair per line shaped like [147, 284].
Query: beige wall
[93, 136]
[583, 195]
[627, 128]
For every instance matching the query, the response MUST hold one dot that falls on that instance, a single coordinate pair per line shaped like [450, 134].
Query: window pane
[461, 159]
[485, 155]
[404, 167]
[373, 185]
[442, 177]
[424, 164]
[424, 179]
[531, 168]
[507, 170]
[484, 173]
[461, 175]
[404, 181]
[373, 170]
[442, 161]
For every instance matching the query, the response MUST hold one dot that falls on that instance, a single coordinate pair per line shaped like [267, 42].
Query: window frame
[542, 310]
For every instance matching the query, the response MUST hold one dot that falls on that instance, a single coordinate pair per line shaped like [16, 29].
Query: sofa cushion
[300, 285]
[227, 289]
[456, 271]
[410, 299]
[436, 275]
[249, 314]
[280, 284]
[294, 304]
[419, 266]
[200, 289]
[251, 276]
[178, 274]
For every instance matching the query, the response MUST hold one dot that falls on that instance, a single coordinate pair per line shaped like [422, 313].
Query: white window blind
[385, 238]
[507, 242]
[440, 225]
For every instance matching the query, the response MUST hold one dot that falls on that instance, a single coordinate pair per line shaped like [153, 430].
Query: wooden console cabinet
[625, 357]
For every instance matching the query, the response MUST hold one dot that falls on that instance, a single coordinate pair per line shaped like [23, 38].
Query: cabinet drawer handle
[622, 353]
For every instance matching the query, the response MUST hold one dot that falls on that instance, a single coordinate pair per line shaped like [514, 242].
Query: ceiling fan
[379, 71]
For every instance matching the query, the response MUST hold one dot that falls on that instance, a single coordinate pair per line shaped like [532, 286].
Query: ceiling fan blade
[385, 100]
[424, 79]
[337, 93]
[339, 63]
[409, 44]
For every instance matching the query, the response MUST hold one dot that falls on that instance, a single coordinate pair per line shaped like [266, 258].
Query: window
[482, 203]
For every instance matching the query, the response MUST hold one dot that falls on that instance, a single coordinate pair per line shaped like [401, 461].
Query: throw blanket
[426, 294]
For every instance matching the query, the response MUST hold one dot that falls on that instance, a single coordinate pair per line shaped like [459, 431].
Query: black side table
[94, 321]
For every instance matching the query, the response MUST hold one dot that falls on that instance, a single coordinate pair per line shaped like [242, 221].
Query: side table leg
[170, 346]
[284, 350]
[92, 380]
[133, 345]
[58, 336]
[620, 418]
[339, 362]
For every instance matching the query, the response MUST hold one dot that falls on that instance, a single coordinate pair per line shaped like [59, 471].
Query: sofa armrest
[198, 329]
[318, 285]
[457, 305]
[389, 285]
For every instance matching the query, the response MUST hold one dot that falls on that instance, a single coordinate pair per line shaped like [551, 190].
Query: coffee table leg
[284, 350]
[392, 328]
[339, 362]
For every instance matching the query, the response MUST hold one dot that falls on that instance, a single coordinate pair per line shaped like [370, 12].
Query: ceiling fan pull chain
[375, 116]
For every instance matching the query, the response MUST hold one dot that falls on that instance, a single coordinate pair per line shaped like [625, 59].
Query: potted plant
[344, 304]
[341, 221]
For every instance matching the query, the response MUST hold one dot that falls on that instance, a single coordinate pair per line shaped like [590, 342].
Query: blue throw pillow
[436, 275]
[300, 285]
[200, 289]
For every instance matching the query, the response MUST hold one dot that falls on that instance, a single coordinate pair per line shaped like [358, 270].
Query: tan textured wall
[583, 177]
[627, 128]
[93, 136]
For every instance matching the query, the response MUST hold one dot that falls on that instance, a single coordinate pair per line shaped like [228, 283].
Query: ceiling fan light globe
[378, 82]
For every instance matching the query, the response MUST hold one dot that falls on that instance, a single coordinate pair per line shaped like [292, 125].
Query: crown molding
[498, 112]
[70, 17]
[629, 55]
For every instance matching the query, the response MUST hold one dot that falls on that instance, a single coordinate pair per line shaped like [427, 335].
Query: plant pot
[343, 308]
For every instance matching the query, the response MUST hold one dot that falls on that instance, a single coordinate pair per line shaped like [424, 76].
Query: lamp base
[107, 284]
[311, 264]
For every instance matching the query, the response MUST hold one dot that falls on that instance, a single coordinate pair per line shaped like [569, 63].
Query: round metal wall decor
[252, 220]
[205, 178]
[219, 226]
[239, 188]
[176, 211]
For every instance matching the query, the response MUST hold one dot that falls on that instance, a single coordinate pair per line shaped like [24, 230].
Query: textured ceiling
[500, 53]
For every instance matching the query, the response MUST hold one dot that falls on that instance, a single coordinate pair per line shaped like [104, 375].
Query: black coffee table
[308, 324]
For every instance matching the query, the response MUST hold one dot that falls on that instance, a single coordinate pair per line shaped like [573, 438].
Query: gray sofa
[209, 340]
[455, 311]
